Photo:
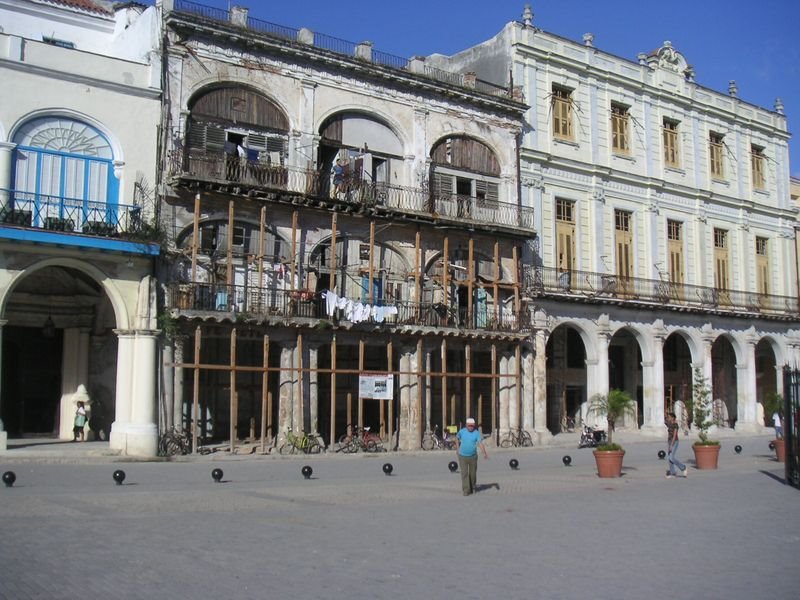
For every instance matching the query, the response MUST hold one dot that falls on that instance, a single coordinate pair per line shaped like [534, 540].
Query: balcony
[607, 288]
[68, 215]
[234, 300]
[254, 179]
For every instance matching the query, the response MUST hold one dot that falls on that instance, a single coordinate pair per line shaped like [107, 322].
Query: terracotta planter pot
[609, 462]
[706, 457]
[780, 450]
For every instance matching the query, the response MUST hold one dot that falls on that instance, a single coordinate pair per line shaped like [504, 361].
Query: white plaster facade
[81, 89]
[612, 158]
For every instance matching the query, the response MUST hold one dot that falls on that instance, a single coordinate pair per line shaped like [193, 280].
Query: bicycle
[307, 444]
[173, 443]
[517, 437]
[359, 438]
[431, 440]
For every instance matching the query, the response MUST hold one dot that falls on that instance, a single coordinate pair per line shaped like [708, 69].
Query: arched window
[63, 173]
[465, 176]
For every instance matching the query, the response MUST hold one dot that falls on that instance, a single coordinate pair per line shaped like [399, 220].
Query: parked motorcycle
[592, 437]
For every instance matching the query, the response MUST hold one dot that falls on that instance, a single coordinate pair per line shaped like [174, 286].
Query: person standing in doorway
[673, 430]
[468, 440]
[79, 423]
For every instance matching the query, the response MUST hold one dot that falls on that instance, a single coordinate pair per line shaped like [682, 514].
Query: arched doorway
[625, 373]
[766, 374]
[677, 377]
[58, 335]
[725, 405]
[566, 379]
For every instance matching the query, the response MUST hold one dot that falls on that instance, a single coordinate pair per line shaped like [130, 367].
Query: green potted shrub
[773, 403]
[614, 406]
[706, 451]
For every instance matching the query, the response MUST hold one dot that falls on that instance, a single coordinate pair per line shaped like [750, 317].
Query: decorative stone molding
[238, 15]
[305, 36]
[533, 182]
[599, 195]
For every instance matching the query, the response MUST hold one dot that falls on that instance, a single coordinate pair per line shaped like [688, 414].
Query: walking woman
[80, 422]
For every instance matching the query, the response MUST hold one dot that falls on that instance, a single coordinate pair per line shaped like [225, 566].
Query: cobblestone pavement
[542, 531]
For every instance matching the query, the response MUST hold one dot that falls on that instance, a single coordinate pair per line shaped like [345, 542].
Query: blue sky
[753, 43]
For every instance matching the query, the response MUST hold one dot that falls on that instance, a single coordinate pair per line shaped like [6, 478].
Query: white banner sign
[376, 387]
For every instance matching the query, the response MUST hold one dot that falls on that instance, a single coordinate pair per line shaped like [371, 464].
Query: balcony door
[624, 249]
[63, 174]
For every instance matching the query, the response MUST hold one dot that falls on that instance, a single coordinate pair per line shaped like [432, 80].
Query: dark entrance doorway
[31, 388]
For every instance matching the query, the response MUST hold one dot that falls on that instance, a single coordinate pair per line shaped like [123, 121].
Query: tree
[614, 405]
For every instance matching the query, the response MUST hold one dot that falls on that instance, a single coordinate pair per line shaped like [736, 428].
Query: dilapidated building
[346, 237]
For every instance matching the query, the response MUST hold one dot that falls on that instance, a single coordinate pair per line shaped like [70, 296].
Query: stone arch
[465, 152]
[121, 311]
[238, 103]
[370, 113]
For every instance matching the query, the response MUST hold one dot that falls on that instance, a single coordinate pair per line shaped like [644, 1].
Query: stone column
[122, 402]
[409, 435]
[313, 389]
[3, 433]
[428, 387]
[177, 407]
[653, 374]
[167, 360]
[6, 150]
[142, 434]
[503, 415]
[540, 381]
[528, 405]
[286, 393]
[746, 388]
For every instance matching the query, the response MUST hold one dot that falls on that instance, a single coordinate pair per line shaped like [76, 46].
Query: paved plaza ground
[543, 531]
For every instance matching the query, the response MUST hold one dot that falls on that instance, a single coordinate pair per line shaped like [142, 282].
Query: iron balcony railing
[316, 184]
[70, 215]
[549, 281]
[255, 302]
[343, 47]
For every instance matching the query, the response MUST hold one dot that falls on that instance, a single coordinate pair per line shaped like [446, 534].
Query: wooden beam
[443, 351]
[333, 391]
[262, 235]
[196, 390]
[234, 410]
[370, 295]
[266, 405]
[333, 259]
[195, 236]
[360, 370]
[494, 394]
[229, 274]
[293, 255]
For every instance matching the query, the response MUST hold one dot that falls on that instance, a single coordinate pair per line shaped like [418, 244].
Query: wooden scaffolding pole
[195, 236]
[497, 307]
[514, 253]
[417, 272]
[494, 394]
[370, 295]
[518, 384]
[333, 388]
[229, 257]
[266, 405]
[389, 359]
[234, 409]
[262, 234]
[360, 370]
[443, 352]
[293, 254]
[333, 261]
[196, 390]
[446, 270]
[299, 403]
[470, 282]
[468, 379]
[418, 401]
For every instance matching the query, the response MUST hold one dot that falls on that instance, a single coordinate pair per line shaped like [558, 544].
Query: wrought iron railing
[257, 302]
[70, 215]
[317, 184]
[342, 47]
[549, 281]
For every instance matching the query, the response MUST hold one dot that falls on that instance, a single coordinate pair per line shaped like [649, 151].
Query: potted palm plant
[706, 451]
[773, 405]
[614, 406]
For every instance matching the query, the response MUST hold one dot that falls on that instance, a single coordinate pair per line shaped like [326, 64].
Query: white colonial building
[79, 116]
[665, 229]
